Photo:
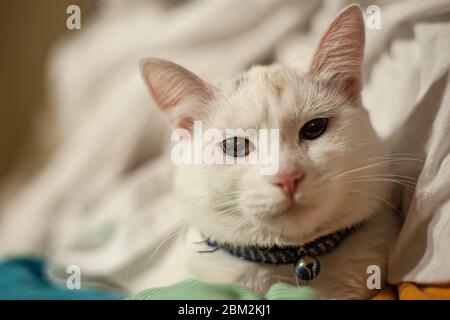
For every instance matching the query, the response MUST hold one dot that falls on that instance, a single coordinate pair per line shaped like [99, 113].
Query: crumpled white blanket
[104, 200]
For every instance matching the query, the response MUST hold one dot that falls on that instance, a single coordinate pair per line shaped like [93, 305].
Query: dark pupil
[236, 147]
[314, 128]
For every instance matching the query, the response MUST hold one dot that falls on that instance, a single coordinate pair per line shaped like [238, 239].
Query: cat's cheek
[263, 210]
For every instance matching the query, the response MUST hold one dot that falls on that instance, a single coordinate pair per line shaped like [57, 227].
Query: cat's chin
[285, 215]
[278, 208]
[296, 209]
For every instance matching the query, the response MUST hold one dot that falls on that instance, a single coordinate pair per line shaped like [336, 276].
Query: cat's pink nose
[288, 181]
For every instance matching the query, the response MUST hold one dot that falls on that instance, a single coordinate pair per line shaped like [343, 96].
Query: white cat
[329, 154]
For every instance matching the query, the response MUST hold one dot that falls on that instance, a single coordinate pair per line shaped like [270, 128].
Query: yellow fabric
[387, 294]
[412, 291]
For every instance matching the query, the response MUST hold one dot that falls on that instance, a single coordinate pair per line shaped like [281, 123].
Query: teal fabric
[23, 278]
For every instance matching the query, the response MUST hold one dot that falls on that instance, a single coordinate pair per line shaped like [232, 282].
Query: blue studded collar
[304, 258]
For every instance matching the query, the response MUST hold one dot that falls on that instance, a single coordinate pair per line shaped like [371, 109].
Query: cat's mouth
[293, 210]
[282, 210]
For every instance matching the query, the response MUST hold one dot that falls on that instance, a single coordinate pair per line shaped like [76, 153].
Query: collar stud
[307, 268]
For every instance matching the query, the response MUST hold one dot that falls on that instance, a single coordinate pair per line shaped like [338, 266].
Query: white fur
[340, 188]
[260, 213]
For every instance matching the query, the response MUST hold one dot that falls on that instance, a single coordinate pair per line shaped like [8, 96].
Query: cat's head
[324, 138]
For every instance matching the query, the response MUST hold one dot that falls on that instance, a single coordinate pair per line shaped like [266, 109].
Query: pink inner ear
[170, 84]
[185, 123]
[339, 55]
[162, 100]
[171, 92]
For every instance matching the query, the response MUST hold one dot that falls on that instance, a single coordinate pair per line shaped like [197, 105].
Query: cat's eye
[237, 146]
[313, 129]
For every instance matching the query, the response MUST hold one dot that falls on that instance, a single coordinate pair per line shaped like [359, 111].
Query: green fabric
[284, 291]
[193, 289]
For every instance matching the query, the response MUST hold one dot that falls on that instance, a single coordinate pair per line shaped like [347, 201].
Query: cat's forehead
[268, 96]
[270, 76]
[274, 78]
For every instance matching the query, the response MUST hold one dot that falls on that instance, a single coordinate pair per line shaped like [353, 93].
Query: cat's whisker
[167, 238]
[389, 175]
[376, 198]
[407, 181]
[402, 154]
[170, 235]
[391, 160]
[207, 196]
[374, 165]
[228, 213]
[392, 175]
[410, 187]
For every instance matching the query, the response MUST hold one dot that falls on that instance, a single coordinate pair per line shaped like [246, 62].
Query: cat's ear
[338, 58]
[177, 91]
